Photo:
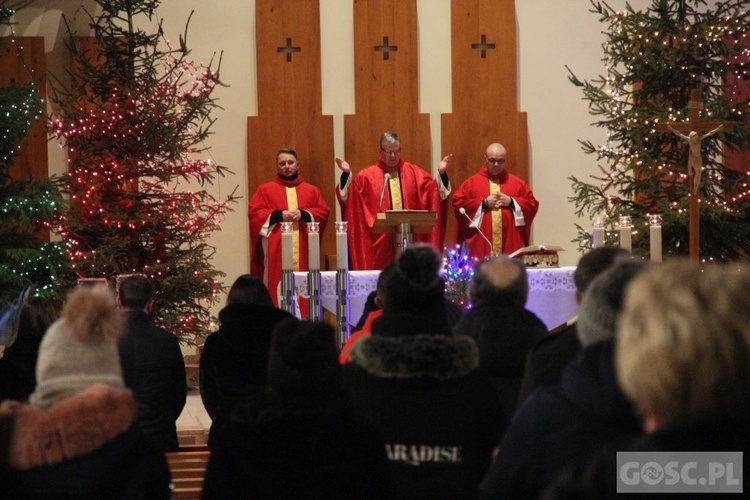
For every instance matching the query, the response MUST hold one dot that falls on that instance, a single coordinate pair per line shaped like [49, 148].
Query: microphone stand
[462, 210]
[385, 184]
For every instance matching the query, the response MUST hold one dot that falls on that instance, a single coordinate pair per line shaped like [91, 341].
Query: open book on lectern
[539, 255]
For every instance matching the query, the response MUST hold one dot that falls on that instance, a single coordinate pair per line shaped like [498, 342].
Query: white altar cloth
[552, 293]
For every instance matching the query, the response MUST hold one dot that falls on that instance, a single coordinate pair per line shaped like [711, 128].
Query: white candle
[287, 253]
[598, 233]
[342, 246]
[598, 237]
[626, 233]
[313, 251]
[655, 238]
[287, 244]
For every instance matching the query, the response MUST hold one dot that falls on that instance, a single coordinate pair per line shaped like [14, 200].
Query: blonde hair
[91, 314]
[683, 341]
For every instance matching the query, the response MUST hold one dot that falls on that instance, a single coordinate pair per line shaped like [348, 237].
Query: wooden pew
[188, 469]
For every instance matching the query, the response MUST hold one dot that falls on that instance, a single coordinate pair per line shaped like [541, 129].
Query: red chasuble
[265, 239]
[470, 195]
[418, 191]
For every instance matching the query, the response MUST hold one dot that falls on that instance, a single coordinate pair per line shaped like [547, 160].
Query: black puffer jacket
[438, 415]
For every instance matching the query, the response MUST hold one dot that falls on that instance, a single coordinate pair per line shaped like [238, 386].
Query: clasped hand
[498, 200]
[291, 215]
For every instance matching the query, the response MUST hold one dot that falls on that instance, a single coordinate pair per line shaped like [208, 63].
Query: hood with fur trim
[440, 357]
[73, 427]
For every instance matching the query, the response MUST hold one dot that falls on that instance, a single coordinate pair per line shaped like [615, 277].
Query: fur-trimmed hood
[441, 357]
[73, 427]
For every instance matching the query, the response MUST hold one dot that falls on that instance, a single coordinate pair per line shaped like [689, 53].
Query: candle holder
[655, 243]
[342, 282]
[599, 236]
[626, 232]
[315, 307]
[286, 301]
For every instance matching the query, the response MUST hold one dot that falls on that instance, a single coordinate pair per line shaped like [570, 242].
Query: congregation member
[234, 360]
[372, 315]
[550, 355]
[408, 187]
[78, 355]
[18, 362]
[287, 198]
[32, 437]
[421, 388]
[497, 203]
[683, 355]
[152, 364]
[299, 438]
[568, 423]
[683, 359]
[503, 329]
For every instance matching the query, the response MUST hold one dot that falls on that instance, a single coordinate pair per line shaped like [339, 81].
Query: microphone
[462, 210]
[385, 185]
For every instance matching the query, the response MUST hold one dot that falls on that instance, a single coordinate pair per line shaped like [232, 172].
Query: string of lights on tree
[134, 120]
[28, 206]
[652, 60]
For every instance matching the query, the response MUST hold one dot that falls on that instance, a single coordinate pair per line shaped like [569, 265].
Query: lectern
[404, 224]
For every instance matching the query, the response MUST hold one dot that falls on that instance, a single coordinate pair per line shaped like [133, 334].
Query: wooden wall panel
[17, 62]
[485, 91]
[290, 100]
[386, 84]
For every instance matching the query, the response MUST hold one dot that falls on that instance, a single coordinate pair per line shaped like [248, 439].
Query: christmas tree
[27, 205]
[134, 117]
[654, 59]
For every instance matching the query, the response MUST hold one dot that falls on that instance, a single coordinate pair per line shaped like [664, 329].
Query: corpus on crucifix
[695, 162]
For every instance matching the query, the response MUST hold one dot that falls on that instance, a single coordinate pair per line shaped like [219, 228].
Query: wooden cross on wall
[694, 124]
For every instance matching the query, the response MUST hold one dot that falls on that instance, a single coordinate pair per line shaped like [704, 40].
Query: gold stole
[291, 201]
[394, 184]
[497, 219]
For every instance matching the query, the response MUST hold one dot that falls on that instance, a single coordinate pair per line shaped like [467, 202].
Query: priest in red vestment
[498, 203]
[287, 198]
[409, 188]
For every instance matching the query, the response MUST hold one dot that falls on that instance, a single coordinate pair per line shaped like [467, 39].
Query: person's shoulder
[564, 336]
[365, 171]
[419, 171]
[154, 334]
[267, 185]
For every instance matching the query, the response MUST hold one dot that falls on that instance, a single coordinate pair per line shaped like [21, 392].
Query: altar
[552, 293]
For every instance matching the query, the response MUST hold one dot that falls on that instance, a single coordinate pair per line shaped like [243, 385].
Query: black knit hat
[415, 295]
[303, 359]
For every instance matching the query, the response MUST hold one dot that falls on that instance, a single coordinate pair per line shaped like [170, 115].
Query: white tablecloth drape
[551, 293]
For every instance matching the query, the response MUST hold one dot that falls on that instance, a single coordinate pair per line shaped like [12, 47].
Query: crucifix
[695, 163]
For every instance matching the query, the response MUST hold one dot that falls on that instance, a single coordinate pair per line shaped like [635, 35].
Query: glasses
[395, 152]
[495, 161]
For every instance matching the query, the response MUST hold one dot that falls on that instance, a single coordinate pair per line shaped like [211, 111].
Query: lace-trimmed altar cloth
[551, 293]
